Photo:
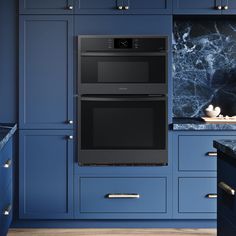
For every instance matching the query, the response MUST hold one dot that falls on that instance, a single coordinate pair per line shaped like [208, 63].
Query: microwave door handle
[124, 99]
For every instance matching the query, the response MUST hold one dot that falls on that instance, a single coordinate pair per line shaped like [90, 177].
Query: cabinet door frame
[24, 10]
[22, 77]
[192, 11]
[144, 11]
[22, 165]
[105, 11]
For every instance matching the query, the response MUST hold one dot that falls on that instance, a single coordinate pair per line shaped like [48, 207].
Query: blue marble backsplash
[204, 66]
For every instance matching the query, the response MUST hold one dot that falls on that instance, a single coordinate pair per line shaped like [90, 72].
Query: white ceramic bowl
[212, 113]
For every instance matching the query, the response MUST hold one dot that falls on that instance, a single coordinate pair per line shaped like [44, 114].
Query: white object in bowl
[212, 113]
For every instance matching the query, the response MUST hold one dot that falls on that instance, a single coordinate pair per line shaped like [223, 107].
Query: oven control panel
[136, 44]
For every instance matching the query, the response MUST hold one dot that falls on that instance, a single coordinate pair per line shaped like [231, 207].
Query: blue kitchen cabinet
[207, 7]
[46, 174]
[194, 173]
[46, 6]
[228, 7]
[46, 72]
[123, 7]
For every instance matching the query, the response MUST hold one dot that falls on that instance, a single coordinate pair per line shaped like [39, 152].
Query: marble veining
[198, 124]
[228, 147]
[204, 66]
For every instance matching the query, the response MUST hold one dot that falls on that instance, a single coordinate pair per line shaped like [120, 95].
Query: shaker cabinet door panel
[196, 7]
[46, 6]
[46, 178]
[98, 7]
[46, 73]
[147, 6]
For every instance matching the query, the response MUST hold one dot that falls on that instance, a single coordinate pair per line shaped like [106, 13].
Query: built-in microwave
[122, 130]
[122, 64]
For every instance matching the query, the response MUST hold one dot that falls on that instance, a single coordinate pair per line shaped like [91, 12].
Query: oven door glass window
[123, 124]
[123, 69]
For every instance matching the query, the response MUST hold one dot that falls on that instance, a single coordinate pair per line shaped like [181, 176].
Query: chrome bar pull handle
[211, 195]
[226, 188]
[70, 137]
[226, 7]
[7, 164]
[70, 7]
[70, 122]
[7, 211]
[219, 7]
[126, 7]
[120, 7]
[123, 196]
[212, 154]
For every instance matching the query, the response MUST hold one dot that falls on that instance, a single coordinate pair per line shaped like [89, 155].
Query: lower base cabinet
[123, 197]
[46, 174]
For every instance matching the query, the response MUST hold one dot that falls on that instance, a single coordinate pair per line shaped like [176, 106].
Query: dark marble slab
[204, 66]
[228, 147]
[6, 132]
[198, 124]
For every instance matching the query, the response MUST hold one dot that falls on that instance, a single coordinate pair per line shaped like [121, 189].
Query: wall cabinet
[206, 7]
[46, 72]
[46, 174]
[46, 7]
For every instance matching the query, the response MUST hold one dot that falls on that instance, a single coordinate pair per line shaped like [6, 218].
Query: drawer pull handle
[7, 164]
[211, 195]
[226, 188]
[7, 211]
[212, 154]
[123, 195]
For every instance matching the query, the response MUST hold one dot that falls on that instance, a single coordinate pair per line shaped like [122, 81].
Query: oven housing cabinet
[153, 90]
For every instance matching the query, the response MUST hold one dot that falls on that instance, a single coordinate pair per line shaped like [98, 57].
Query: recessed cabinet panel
[46, 6]
[148, 6]
[196, 7]
[195, 195]
[99, 7]
[45, 185]
[46, 74]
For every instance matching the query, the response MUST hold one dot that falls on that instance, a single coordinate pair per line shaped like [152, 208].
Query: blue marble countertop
[199, 124]
[6, 132]
[228, 147]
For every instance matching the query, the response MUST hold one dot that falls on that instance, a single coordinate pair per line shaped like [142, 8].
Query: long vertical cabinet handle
[226, 188]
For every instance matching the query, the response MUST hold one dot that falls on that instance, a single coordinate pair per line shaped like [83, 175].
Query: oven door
[119, 72]
[118, 130]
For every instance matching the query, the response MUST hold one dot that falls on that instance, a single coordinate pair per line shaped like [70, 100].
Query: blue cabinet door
[46, 6]
[46, 72]
[99, 7]
[197, 7]
[46, 177]
[147, 6]
[228, 7]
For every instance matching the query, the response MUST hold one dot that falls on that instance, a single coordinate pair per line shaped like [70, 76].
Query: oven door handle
[122, 54]
[125, 99]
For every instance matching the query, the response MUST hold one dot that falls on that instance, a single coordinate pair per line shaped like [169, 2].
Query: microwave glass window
[123, 125]
[122, 69]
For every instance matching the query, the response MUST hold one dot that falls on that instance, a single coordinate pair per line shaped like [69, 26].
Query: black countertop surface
[228, 147]
[199, 124]
[6, 132]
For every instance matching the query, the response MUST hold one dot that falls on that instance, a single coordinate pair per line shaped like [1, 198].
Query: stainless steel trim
[7, 211]
[7, 164]
[226, 188]
[212, 154]
[123, 54]
[123, 98]
[123, 195]
[211, 195]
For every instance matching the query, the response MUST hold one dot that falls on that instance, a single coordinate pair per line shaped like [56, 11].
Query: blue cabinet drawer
[5, 166]
[123, 195]
[196, 152]
[6, 210]
[197, 195]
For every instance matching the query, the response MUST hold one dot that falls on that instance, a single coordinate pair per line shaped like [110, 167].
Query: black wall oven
[122, 107]
[122, 65]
